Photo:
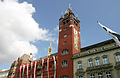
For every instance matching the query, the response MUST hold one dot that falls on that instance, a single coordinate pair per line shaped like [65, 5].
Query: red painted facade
[67, 24]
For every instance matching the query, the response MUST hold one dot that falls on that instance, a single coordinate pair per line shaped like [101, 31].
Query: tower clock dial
[75, 39]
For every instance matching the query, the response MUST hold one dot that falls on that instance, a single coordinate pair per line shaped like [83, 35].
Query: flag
[20, 71]
[35, 69]
[42, 68]
[48, 66]
[113, 34]
[23, 71]
[27, 69]
[31, 69]
[54, 67]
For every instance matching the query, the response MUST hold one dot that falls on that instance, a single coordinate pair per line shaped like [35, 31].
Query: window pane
[64, 77]
[65, 51]
[105, 60]
[79, 65]
[118, 57]
[65, 35]
[97, 62]
[64, 43]
[90, 63]
[64, 64]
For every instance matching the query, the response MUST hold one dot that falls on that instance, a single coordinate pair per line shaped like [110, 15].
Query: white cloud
[17, 30]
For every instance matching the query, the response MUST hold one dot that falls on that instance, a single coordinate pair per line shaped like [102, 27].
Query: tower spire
[69, 5]
[50, 49]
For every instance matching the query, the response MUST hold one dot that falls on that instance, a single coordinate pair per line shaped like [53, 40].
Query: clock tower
[69, 43]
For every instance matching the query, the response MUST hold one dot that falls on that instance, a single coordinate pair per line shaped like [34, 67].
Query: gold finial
[50, 49]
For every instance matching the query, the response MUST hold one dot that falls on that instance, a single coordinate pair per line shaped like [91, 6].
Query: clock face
[75, 39]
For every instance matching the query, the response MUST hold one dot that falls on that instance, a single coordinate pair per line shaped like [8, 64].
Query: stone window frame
[105, 56]
[115, 56]
[79, 62]
[89, 62]
[99, 61]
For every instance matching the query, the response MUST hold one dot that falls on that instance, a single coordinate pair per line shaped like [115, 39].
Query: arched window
[65, 51]
[64, 63]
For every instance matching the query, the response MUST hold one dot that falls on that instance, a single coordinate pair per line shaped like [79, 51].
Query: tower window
[105, 60]
[67, 21]
[64, 77]
[64, 29]
[65, 51]
[90, 62]
[79, 65]
[65, 35]
[64, 22]
[64, 63]
[64, 43]
[118, 57]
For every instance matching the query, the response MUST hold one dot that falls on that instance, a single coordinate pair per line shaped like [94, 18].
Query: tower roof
[68, 11]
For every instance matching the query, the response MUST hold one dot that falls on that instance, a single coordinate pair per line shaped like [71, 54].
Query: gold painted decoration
[75, 39]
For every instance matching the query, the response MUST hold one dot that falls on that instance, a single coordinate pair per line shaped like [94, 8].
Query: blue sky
[48, 12]
[89, 12]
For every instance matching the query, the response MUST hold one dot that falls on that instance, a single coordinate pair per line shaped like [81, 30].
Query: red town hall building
[59, 65]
